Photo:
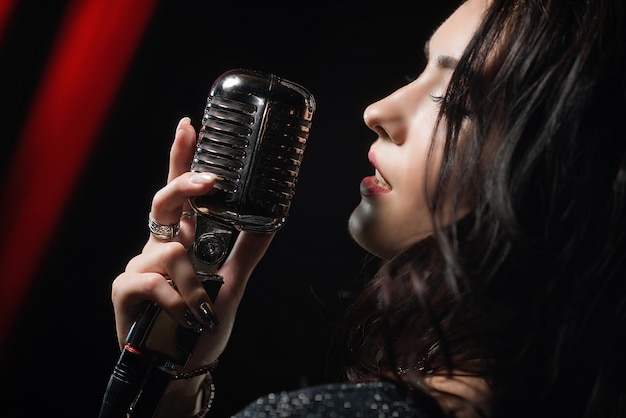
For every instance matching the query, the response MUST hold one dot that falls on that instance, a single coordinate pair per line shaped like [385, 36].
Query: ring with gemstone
[163, 232]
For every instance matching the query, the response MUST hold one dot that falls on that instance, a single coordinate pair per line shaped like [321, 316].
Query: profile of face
[394, 211]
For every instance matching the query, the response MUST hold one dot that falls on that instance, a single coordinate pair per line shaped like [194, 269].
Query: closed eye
[437, 98]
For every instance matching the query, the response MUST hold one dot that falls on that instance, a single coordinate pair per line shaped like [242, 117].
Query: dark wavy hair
[529, 290]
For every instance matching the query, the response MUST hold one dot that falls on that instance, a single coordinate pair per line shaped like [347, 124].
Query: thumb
[247, 252]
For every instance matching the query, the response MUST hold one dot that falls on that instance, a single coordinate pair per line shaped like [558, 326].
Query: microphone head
[253, 136]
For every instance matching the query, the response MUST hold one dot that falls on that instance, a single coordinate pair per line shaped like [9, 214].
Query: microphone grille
[253, 136]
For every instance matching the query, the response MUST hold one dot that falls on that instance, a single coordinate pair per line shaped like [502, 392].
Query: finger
[182, 150]
[168, 202]
[171, 260]
[130, 294]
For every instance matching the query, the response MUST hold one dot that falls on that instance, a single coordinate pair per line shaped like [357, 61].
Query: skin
[391, 217]
[386, 221]
[389, 221]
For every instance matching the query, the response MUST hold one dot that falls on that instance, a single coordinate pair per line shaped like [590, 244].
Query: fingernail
[202, 178]
[182, 121]
[209, 315]
[192, 322]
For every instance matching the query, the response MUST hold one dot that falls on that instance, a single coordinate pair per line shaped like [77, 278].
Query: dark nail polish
[192, 322]
[209, 315]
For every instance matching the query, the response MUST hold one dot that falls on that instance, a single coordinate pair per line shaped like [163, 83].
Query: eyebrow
[445, 62]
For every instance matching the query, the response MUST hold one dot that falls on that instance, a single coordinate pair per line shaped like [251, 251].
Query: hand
[144, 280]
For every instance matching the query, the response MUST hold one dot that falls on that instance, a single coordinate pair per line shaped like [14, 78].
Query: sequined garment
[351, 400]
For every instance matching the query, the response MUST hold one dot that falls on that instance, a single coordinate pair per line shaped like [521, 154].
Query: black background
[348, 55]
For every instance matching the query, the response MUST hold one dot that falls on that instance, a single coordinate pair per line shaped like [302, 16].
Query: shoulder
[344, 400]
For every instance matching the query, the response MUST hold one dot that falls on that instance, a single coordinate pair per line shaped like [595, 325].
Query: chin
[381, 239]
[363, 232]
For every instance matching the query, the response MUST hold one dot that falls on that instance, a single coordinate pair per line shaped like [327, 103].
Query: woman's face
[394, 213]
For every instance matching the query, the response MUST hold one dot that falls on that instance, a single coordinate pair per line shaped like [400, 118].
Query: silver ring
[170, 282]
[164, 232]
[187, 214]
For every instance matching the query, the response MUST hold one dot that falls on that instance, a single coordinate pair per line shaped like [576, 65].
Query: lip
[370, 185]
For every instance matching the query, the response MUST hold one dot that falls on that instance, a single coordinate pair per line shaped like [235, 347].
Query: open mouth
[381, 182]
[379, 179]
[377, 184]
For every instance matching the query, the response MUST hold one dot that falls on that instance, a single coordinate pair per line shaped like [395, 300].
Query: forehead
[454, 34]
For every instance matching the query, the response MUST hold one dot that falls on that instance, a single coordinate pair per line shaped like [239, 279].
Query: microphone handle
[124, 383]
[146, 365]
[160, 376]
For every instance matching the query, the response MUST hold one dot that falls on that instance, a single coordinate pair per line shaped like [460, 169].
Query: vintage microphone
[253, 136]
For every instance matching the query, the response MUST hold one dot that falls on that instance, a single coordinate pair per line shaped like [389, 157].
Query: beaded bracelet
[208, 387]
[197, 372]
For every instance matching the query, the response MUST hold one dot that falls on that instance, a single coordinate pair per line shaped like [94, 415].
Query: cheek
[415, 179]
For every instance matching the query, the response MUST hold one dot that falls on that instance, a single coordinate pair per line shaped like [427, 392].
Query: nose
[385, 117]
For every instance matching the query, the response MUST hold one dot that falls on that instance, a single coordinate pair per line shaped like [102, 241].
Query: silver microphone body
[253, 137]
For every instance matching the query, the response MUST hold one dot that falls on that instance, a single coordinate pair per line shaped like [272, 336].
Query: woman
[498, 201]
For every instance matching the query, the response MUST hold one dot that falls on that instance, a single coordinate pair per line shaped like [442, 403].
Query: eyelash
[441, 100]
[437, 99]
